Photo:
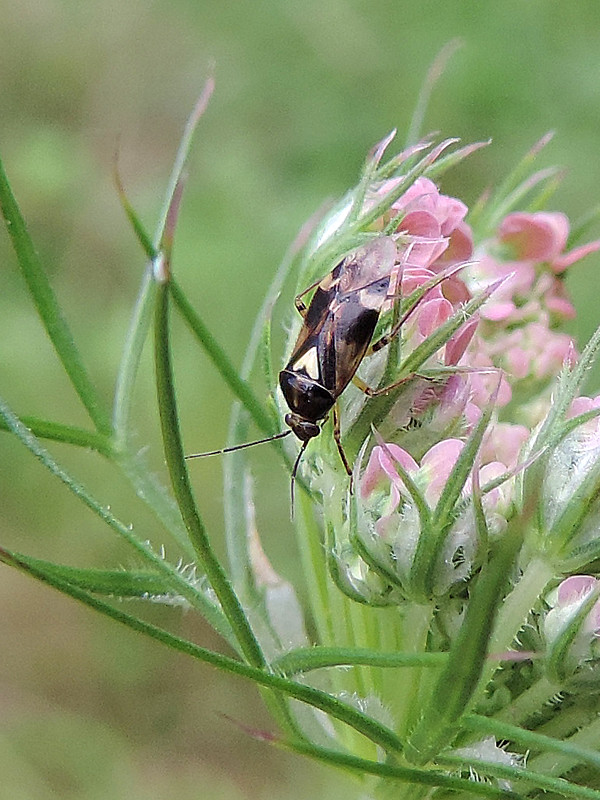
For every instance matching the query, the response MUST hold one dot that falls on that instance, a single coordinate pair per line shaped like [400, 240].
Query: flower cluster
[476, 470]
[505, 353]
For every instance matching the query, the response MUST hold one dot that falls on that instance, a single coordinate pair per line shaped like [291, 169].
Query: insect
[338, 326]
[336, 335]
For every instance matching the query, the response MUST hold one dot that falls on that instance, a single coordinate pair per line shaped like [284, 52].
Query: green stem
[392, 774]
[581, 748]
[70, 434]
[454, 691]
[130, 360]
[415, 626]
[183, 492]
[318, 657]
[521, 775]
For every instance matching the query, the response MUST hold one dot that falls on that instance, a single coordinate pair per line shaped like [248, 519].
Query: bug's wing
[370, 264]
[341, 317]
[343, 342]
[316, 317]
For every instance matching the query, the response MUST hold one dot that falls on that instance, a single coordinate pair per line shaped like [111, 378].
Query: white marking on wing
[309, 362]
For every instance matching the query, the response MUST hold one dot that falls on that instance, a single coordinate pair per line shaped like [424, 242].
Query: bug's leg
[338, 440]
[390, 335]
[299, 303]
[370, 392]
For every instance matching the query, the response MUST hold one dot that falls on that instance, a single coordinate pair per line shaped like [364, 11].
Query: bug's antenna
[241, 446]
[294, 471]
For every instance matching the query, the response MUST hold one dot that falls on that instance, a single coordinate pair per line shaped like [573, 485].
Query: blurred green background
[88, 710]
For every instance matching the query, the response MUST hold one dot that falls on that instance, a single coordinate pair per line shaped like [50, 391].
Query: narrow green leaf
[142, 314]
[116, 583]
[138, 228]
[269, 376]
[233, 465]
[197, 599]
[380, 208]
[530, 740]
[370, 728]
[434, 73]
[521, 774]
[557, 541]
[582, 226]
[182, 489]
[445, 163]
[543, 180]
[518, 174]
[307, 659]
[137, 332]
[392, 772]
[568, 385]
[70, 434]
[369, 170]
[48, 307]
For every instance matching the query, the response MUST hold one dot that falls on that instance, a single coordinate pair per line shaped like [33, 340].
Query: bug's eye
[302, 428]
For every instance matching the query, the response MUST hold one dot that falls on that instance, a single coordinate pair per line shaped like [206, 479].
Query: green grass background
[303, 90]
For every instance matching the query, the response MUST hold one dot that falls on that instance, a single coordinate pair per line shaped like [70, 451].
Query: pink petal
[497, 312]
[437, 463]
[535, 237]
[432, 314]
[488, 473]
[422, 194]
[451, 212]
[574, 588]
[459, 341]
[551, 358]
[421, 223]
[380, 469]
[562, 262]
[582, 404]
[503, 442]
[413, 277]
[561, 307]
[518, 362]
[460, 247]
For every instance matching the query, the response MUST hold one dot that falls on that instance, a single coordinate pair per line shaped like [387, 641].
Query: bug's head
[304, 429]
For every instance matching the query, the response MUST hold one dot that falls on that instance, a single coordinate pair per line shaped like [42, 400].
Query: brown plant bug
[336, 333]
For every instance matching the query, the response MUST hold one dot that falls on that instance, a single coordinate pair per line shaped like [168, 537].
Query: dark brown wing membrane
[344, 339]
